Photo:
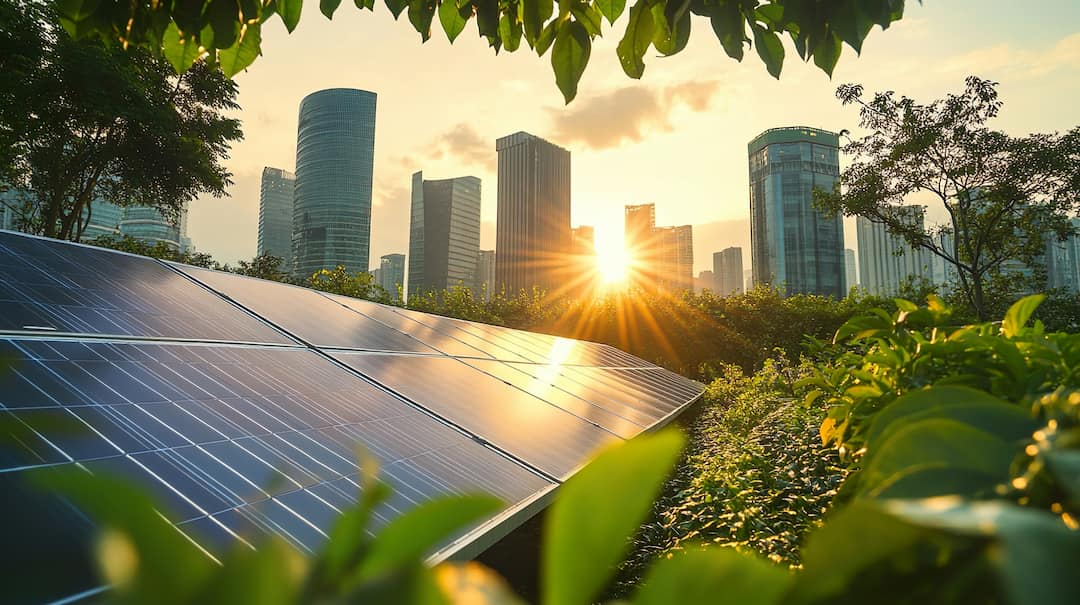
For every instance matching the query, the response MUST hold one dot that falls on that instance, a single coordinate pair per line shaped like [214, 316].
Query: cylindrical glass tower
[335, 151]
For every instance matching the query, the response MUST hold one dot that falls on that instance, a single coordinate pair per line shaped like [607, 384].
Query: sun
[612, 263]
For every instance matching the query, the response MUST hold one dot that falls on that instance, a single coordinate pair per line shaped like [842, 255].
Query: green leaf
[77, 10]
[1018, 314]
[408, 538]
[728, 25]
[534, 14]
[396, 6]
[770, 49]
[827, 53]
[225, 22]
[453, 22]
[975, 408]
[421, 12]
[905, 305]
[710, 576]
[267, 575]
[588, 16]
[239, 57]
[636, 40]
[597, 510]
[569, 57]
[669, 39]
[612, 9]
[473, 579]
[510, 33]
[368, 4]
[543, 42]
[289, 10]
[181, 53]
[936, 443]
[329, 6]
[1035, 556]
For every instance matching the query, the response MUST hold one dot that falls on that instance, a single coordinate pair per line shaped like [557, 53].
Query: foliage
[82, 121]
[1004, 195]
[216, 30]
[357, 285]
[755, 477]
[265, 266]
[158, 249]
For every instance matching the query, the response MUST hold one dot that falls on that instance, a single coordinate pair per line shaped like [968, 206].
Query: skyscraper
[276, 215]
[674, 269]
[886, 261]
[391, 274]
[792, 245]
[104, 220]
[584, 240]
[1063, 260]
[150, 225]
[533, 223]
[484, 282]
[728, 271]
[639, 222]
[335, 152]
[444, 233]
[851, 269]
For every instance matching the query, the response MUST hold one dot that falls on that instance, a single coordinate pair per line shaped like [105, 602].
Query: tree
[1003, 194]
[357, 285]
[265, 266]
[88, 121]
[231, 37]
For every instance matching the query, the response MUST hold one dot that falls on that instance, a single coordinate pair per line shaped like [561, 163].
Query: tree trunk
[977, 300]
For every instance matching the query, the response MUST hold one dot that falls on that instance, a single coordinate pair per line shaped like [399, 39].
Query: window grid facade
[276, 214]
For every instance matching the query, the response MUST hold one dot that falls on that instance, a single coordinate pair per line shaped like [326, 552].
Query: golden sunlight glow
[612, 258]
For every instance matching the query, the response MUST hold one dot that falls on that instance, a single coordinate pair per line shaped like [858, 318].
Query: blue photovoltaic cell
[538, 432]
[234, 440]
[309, 315]
[54, 287]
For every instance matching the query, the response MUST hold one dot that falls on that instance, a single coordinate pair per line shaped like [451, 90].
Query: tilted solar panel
[54, 287]
[241, 403]
[307, 314]
[236, 441]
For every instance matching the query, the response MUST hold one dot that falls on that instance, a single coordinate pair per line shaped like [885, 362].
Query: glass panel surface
[307, 314]
[535, 431]
[445, 343]
[51, 286]
[266, 434]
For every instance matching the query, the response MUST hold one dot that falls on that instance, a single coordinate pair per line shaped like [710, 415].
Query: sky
[676, 138]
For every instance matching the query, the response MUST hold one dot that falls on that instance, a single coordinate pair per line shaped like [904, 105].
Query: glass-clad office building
[793, 246]
[150, 225]
[335, 150]
[276, 214]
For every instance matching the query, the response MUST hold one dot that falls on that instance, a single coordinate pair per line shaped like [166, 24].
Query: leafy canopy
[228, 32]
[82, 121]
[1003, 194]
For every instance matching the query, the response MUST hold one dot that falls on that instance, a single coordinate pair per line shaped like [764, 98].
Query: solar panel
[54, 287]
[236, 439]
[240, 404]
[535, 431]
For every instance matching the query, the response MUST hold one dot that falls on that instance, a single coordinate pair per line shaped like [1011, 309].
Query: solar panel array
[241, 403]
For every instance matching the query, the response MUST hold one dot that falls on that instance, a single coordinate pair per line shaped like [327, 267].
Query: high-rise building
[661, 257]
[103, 220]
[533, 223]
[675, 257]
[793, 246]
[748, 279]
[851, 269]
[1063, 260]
[444, 233]
[706, 280]
[391, 273]
[276, 215]
[485, 274]
[886, 260]
[728, 271]
[150, 225]
[584, 240]
[335, 151]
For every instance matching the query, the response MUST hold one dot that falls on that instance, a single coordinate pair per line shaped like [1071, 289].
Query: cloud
[627, 115]
[1006, 58]
[461, 143]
